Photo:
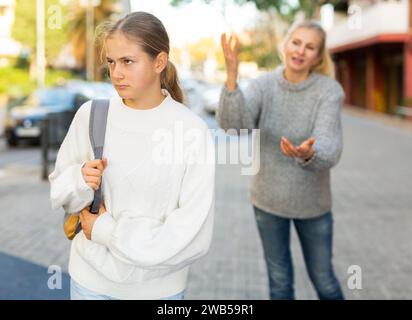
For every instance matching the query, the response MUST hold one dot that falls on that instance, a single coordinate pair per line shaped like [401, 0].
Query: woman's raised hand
[230, 52]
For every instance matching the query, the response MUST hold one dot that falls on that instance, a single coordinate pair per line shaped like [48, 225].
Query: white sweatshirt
[158, 190]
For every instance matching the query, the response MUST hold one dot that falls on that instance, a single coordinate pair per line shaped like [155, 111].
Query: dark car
[24, 121]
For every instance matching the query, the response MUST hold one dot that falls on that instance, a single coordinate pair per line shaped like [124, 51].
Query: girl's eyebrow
[122, 58]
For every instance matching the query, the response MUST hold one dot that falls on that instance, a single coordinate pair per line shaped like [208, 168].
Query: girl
[158, 209]
[297, 109]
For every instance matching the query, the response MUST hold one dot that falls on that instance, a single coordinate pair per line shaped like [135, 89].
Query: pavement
[371, 186]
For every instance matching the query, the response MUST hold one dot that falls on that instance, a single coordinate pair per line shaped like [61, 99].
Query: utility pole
[40, 47]
[90, 40]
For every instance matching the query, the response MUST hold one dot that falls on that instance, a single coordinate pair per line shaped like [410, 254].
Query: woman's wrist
[310, 156]
[231, 81]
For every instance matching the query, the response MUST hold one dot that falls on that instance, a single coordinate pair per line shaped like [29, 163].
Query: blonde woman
[297, 108]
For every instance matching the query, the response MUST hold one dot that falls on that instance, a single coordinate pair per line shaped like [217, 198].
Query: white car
[211, 96]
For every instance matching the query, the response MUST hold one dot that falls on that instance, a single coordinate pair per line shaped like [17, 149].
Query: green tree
[262, 46]
[78, 33]
[24, 27]
[285, 8]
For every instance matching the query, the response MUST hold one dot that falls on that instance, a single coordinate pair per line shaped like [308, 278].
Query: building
[371, 43]
[9, 48]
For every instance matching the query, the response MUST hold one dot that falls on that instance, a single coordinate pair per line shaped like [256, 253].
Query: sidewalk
[372, 208]
[389, 120]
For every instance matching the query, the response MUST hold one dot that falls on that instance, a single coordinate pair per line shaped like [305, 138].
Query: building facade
[9, 48]
[371, 44]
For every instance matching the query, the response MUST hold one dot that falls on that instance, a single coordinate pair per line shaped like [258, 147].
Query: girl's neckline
[150, 110]
[280, 77]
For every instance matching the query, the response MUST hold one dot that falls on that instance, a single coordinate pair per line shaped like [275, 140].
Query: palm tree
[106, 10]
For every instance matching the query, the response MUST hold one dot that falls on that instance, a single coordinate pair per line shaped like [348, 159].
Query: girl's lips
[121, 87]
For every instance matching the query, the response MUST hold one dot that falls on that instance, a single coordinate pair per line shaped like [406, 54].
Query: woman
[297, 109]
[157, 215]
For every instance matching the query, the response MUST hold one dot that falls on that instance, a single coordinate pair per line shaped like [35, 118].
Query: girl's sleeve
[327, 133]
[67, 186]
[240, 109]
[183, 237]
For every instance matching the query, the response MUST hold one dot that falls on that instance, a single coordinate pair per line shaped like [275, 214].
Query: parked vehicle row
[24, 119]
[211, 96]
[25, 116]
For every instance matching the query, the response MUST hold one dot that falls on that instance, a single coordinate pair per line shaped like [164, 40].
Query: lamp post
[90, 5]
[40, 47]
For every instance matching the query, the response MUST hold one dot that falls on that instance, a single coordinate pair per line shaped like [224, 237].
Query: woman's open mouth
[298, 61]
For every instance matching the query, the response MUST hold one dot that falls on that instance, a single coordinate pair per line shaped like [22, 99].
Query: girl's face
[132, 71]
[302, 50]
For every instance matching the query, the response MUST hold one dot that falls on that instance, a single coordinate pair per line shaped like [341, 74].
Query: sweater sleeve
[328, 135]
[238, 109]
[67, 186]
[184, 236]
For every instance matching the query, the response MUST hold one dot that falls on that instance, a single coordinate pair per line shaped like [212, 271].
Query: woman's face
[132, 71]
[302, 50]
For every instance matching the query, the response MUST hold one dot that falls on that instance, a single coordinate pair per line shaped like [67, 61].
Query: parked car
[211, 96]
[24, 121]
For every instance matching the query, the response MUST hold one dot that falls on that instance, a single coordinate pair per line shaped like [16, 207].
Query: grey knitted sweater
[289, 187]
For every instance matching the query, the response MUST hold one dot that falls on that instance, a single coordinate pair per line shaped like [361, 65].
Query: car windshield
[50, 98]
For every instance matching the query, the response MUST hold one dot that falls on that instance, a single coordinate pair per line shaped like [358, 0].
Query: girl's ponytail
[170, 82]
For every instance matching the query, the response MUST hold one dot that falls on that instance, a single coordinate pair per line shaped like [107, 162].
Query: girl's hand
[92, 172]
[230, 47]
[87, 220]
[304, 151]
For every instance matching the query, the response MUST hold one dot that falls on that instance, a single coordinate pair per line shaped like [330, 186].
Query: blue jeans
[315, 236]
[78, 292]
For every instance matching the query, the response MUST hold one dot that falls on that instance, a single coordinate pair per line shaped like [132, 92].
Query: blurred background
[49, 66]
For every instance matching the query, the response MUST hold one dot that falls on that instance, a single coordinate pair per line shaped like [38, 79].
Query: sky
[190, 22]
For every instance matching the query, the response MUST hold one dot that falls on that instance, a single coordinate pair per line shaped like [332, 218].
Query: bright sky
[194, 21]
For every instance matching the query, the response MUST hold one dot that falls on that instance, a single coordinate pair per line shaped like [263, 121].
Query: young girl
[297, 109]
[158, 176]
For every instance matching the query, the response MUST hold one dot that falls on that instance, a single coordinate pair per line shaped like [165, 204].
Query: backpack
[97, 132]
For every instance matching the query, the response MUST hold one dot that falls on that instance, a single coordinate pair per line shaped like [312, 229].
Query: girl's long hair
[149, 32]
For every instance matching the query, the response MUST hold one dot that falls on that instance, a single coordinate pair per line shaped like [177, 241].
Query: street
[372, 210]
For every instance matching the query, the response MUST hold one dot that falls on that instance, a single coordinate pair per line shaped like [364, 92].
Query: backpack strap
[97, 132]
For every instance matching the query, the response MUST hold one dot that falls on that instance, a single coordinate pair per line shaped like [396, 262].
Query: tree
[24, 27]
[261, 44]
[78, 33]
[288, 11]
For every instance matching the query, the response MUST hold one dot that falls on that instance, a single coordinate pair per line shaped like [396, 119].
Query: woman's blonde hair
[149, 32]
[325, 65]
